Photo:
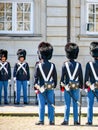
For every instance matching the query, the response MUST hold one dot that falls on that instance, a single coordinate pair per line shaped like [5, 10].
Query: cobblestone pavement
[28, 123]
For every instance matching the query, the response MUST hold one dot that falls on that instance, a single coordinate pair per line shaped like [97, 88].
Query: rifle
[80, 107]
[54, 109]
[14, 92]
[28, 93]
[42, 90]
[9, 84]
[67, 89]
[92, 89]
[10, 93]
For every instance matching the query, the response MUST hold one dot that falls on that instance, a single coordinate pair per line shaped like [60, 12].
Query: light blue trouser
[41, 99]
[90, 103]
[18, 90]
[5, 85]
[67, 98]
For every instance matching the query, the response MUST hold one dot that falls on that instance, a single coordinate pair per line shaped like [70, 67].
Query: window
[16, 16]
[89, 17]
[92, 17]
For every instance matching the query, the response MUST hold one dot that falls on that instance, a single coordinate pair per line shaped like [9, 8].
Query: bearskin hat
[3, 53]
[45, 50]
[94, 49]
[21, 53]
[71, 50]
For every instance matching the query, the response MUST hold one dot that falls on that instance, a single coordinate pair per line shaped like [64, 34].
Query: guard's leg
[1, 91]
[75, 105]
[67, 100]
[41, 101]
[24, 83]
[5, 84]
[18, 91]
[90, 103]
[50, 96]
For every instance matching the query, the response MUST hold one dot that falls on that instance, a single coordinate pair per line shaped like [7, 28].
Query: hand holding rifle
[42, 90]
[67, 88]
[92, 87]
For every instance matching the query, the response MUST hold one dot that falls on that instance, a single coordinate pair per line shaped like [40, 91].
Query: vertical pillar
[68, 19]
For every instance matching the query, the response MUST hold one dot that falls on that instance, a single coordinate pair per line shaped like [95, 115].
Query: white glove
[28, 82]
[37, 86]
[15, 79]
[67, 88]
[9, 81]
[92, 87]
[86, 90]
[42, 89]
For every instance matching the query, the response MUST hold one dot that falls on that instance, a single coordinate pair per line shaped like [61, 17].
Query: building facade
[25, 23]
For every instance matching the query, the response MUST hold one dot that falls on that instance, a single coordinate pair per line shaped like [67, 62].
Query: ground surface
[28, 123]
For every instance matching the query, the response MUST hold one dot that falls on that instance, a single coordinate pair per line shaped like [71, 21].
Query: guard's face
[21, 59]
[3, 59]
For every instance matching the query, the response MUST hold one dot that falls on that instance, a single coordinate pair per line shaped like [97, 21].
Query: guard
[45, 80]
[5, 75]
[71, 81]
[36, 91]
[91, 81]
[21, 76]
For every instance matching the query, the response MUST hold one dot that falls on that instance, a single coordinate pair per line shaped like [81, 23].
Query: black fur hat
[45, 50]
[71, 50]
[21, 53]
[3, 53]
[94, 49]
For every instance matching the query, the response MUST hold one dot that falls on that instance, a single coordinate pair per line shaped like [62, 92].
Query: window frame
[84, 16]
[14, 15]
[90, 32]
